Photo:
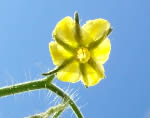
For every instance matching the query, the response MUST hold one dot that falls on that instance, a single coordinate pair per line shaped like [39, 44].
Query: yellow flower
[81, 51]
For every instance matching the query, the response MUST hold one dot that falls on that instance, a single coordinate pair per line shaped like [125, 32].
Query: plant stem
[40, 84]
[23, 87]
[64, 96]
[56, 115]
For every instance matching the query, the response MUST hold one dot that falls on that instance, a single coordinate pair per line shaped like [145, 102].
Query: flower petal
[101, 53]
[64, 30]
[58, 53]
[94, 29]
[90, 76]
[70, 73]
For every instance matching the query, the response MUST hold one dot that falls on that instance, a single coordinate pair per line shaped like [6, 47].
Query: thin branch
[64, 96]
[40, 84]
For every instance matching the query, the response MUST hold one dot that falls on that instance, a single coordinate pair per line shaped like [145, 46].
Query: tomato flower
[81, 51]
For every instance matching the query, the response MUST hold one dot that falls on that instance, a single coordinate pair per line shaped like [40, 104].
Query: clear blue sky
[25, 31]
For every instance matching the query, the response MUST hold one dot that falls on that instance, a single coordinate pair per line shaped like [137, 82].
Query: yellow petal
[91, 77]
[64, 30]
[101, 53]
[58, 53]
[70, 73]
[94, 29]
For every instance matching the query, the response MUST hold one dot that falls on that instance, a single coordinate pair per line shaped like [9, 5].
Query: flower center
[83, 55]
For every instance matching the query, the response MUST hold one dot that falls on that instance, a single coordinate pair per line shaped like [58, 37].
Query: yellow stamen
[82, 55]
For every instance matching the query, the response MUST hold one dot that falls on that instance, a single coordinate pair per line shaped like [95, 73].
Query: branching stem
[40, 84]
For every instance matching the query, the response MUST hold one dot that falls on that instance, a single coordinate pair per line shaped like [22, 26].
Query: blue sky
[25, 31]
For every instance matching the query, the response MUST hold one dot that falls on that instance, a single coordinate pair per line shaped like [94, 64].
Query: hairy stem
[40, 84]
[23, 87]
[57, 114]
[65, 96]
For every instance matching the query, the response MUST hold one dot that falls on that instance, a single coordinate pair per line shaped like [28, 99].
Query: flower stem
[23, 87]
[63, 95]
[40, 84]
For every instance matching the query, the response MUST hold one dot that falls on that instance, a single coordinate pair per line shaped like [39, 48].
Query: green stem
[23, 87]
[65, 96]
[40, 84]
[57, 114]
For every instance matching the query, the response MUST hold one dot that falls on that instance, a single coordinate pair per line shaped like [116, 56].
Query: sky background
[25, 31]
